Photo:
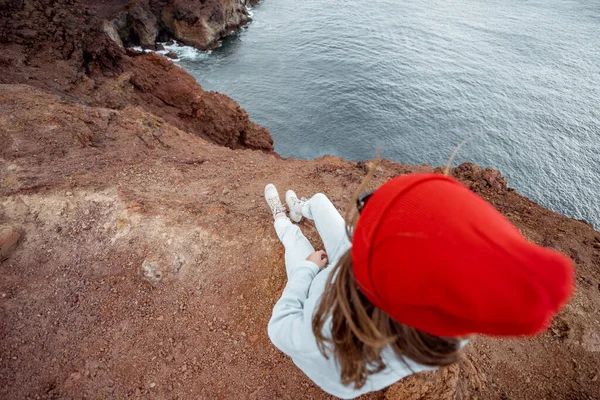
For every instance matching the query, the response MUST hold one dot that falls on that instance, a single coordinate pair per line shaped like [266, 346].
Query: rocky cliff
[61, 47]
[198, 23]
[137, 259]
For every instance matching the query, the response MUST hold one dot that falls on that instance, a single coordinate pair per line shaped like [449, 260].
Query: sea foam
[186, 53]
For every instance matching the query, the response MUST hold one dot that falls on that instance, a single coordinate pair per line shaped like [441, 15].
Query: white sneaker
[295, 205]
[272, 198]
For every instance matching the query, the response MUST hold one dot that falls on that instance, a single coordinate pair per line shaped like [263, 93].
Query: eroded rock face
[61, 32]
[111, 31]
[72, 50]
[137, 25]
[198, 23]
[168, 91]
[203, 23]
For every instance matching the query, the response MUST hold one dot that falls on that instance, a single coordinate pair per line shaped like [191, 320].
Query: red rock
[9, 239]
[203, 24]
[474, 177]
[495, 179]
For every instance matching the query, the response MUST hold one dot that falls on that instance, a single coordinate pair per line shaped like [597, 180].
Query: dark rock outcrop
[477, 178]
[203, 23]
[198, 23]
[62, 32]
[137, 25]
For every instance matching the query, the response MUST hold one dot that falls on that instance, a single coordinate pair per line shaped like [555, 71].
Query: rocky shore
[61, 47]
[137, 259]
[198, 23]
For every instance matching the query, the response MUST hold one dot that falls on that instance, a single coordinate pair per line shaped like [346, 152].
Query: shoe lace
[298, 202]
[276, 205]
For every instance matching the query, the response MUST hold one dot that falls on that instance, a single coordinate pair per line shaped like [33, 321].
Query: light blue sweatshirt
[290, 330]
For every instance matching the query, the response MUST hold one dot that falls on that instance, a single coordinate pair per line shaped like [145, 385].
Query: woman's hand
[319, 258]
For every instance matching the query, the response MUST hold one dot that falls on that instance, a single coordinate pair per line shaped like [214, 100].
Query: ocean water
[415, 78]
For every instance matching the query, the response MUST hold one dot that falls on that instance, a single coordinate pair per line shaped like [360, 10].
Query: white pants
[330, 225]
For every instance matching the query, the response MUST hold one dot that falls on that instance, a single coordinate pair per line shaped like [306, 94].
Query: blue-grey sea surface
[414, 78]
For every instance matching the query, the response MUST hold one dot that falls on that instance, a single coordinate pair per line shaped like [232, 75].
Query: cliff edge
[137, 256]
[61, 47]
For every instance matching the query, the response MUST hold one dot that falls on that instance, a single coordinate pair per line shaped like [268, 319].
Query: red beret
[437, 257]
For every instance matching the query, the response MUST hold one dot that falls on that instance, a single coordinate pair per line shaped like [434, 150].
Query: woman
[423, 264]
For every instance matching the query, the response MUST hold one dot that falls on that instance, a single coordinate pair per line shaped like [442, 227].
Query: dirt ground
[148, 267]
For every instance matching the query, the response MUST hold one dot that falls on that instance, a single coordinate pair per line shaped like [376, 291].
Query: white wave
[184, 52]
[139, 48]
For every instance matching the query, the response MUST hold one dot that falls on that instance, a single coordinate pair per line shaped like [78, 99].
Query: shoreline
[147, 23]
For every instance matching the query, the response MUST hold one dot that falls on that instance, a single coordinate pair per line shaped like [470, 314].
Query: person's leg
[330, 225]
[297, 247]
